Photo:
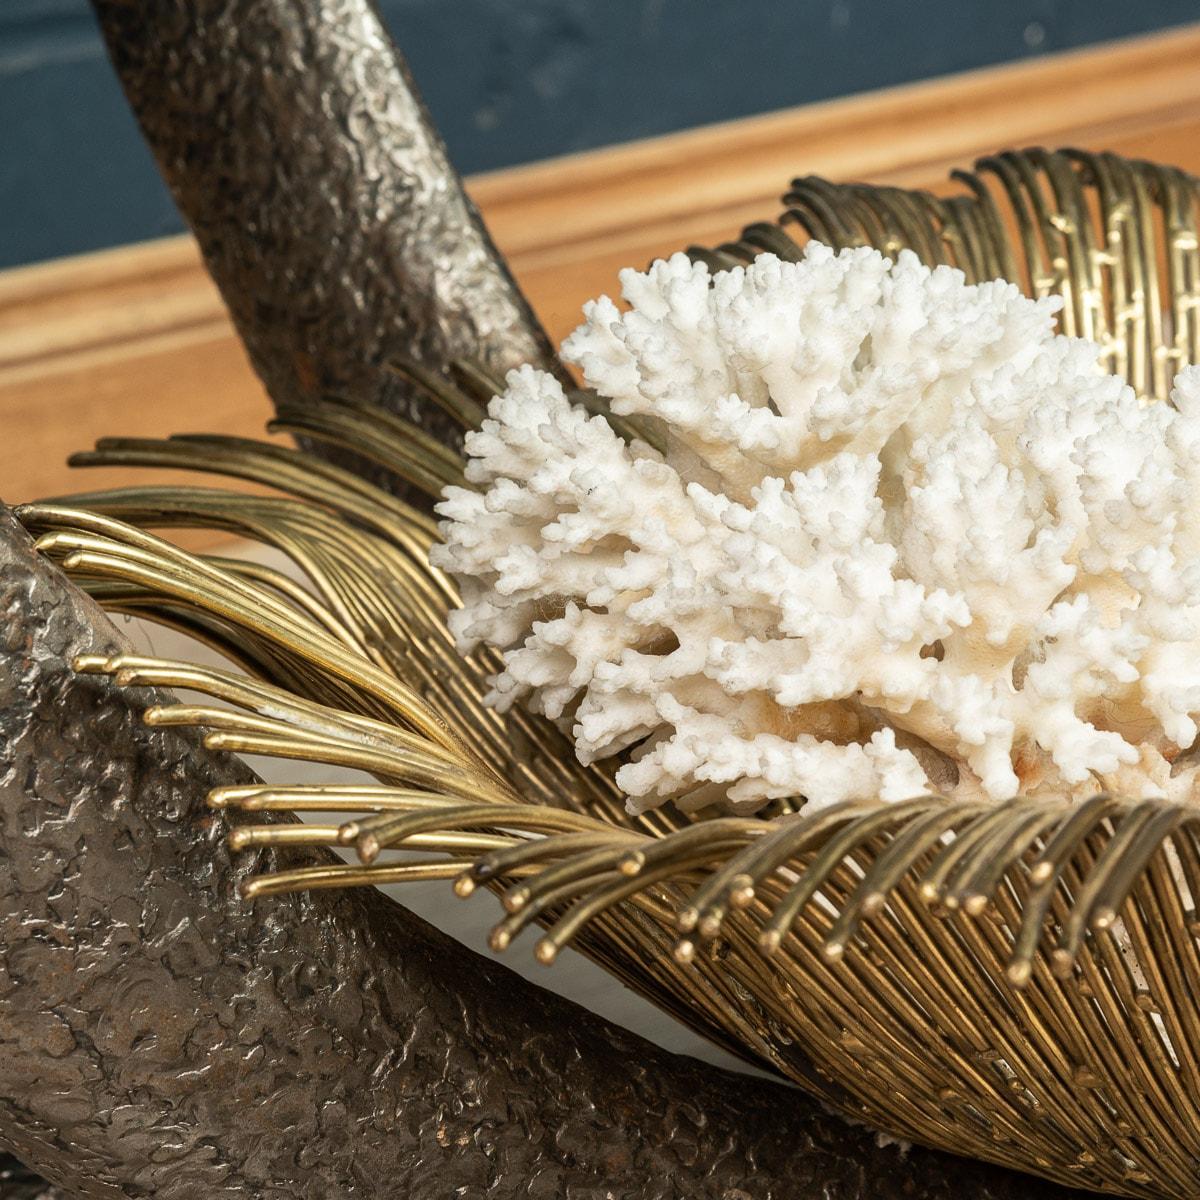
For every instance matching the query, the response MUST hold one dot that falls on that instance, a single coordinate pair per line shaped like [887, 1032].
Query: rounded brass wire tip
[1062, 963]
[873, 904]
[91, 664]
[515, 900]
[368, 848]
[349, 833]
[238, 839]
[975, 904]
[545, 952]
[687, 919]
[929, 892]
[684, 952]
[710, 925]
[1041, 871]
[631, 863]
[499, 939]
[770, 940]
[741, 891]
[1019, 973]
[464, 885]
[223, 797]
[153, 715]
[1104, 918]
[834, 951]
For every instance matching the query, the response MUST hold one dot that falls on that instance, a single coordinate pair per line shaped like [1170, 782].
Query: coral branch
[902, 538]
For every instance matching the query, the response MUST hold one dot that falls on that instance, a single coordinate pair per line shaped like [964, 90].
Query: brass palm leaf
[1017, 983]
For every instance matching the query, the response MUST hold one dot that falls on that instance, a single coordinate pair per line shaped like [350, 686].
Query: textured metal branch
[329, 215]
[160, 1037]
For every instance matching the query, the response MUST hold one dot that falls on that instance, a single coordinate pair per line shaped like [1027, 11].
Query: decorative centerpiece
[823, 668]
[855, 586]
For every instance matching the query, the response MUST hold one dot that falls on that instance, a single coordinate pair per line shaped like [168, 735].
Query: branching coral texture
[901, 537]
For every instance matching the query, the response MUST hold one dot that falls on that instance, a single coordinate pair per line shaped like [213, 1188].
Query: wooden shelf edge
[136, 340]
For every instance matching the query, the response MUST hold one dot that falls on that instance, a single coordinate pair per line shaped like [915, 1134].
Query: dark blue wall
[514, 80]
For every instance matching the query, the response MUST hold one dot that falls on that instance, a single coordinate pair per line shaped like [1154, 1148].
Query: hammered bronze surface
[19, 1183]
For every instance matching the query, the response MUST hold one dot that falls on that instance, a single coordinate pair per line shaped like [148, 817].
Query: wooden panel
[135, 340]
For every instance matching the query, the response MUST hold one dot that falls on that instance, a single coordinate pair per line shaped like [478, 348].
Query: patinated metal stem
[300, 154]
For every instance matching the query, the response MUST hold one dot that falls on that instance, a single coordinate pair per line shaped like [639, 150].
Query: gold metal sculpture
[1017, 983]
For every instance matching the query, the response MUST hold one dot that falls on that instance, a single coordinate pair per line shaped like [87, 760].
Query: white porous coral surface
[900, 537]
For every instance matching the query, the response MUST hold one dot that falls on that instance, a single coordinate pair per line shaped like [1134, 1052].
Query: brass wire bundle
[1018, 983]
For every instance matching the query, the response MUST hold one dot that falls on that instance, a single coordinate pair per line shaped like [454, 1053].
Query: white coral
[901, 536]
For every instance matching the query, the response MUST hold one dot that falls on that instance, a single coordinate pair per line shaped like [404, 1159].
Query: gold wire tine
[410, 435]
[329, 654]
[896, 860]
[720, 829]
[245, 837]
[372, 835]
[994, 853]
[414, 769]
[933, 882]
[138, 670]
[323, 730]
[544, 848]
[1124, 836]
[344, 875]
[512, 925]
[288, 470]
[815, 874]
[337, 431]
[981, 876]
[199, 715]
[603, 859]
[475, 374]
[288, 634]
[1034, 911]
[326, 798]
[602, 895]
[452, 401]
[108, 536]
[335, 728]
[1120, 881]
[299, 596]
[1079, 823]
[781, 840]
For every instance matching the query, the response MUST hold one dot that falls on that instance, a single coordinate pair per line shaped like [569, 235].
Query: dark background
[513, 80]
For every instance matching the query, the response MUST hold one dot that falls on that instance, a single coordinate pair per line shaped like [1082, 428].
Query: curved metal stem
[296, 146]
